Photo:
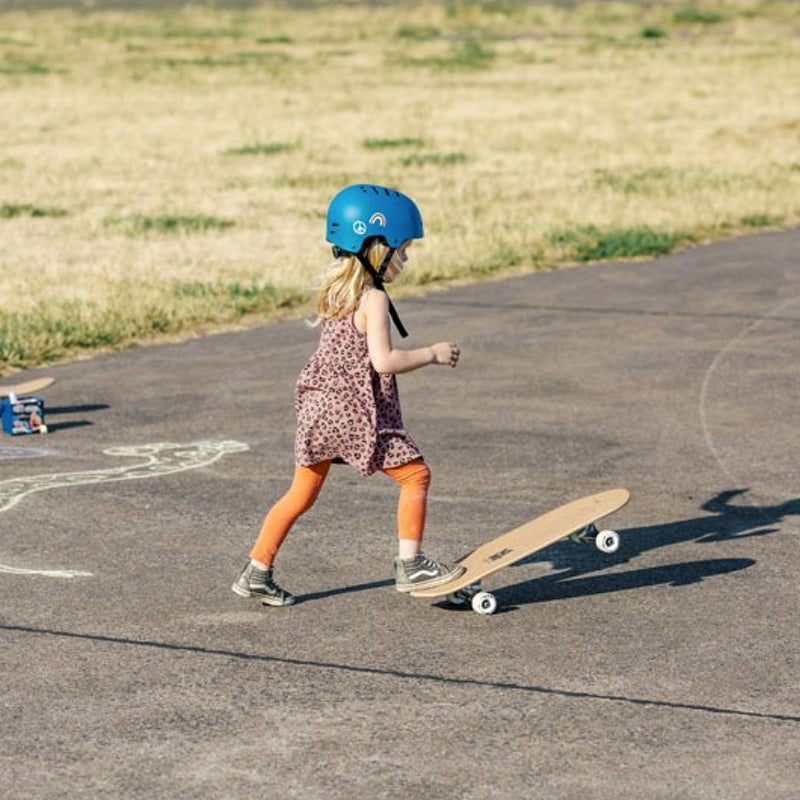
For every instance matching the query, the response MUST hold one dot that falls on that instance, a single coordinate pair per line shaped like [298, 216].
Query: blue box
[21, 415]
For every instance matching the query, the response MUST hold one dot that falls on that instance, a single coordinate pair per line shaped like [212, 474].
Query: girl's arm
[385, 358]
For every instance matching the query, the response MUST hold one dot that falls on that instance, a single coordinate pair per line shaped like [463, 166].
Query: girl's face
[397, 263]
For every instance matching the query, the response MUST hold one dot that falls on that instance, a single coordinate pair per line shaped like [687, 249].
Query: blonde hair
[343, 283]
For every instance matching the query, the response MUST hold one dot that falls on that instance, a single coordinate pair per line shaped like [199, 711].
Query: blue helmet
[364, 211]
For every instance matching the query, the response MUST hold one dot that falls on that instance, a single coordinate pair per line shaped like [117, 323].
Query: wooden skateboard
[20, 410]
[575, 520]
[26, 388]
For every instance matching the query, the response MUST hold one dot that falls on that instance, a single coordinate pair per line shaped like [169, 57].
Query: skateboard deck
[575, 519]
[27, 387]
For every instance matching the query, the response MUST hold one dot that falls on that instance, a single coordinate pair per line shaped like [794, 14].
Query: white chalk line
[704, 389]
[163, 458]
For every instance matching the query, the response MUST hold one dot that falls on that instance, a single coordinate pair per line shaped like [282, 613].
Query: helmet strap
[387, 259]
[377, 279]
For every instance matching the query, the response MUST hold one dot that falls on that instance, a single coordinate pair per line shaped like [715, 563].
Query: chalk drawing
[163, 458]
[12, 453]
[708, 380]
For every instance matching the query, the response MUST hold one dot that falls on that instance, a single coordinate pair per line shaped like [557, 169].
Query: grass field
[167, 172]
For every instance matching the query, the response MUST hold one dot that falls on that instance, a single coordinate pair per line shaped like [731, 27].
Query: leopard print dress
[346, 411]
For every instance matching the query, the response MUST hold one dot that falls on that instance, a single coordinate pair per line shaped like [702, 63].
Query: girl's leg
[413, 569]
[413, 479]
[298, 499]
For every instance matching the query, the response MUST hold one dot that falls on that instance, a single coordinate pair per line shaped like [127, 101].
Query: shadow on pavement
[724, 522]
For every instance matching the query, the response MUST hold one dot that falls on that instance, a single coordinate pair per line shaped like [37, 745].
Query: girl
[346, 397]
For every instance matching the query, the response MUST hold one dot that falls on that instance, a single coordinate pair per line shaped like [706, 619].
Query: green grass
[434, 159]
[201, 33]
[255, 59]
[698, 16]
[239, 298]
[590, 243]
[13, 65]
[53, 331]
[388, 144]
[640, 181]
[10, 211]
[262, 149]
[466, 55]
[760, 221]
[417, 33]
[170, 224]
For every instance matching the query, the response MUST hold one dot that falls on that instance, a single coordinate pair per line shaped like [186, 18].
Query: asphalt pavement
[667, 670]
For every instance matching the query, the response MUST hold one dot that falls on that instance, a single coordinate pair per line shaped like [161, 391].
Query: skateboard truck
[482, 602]
[605, 541]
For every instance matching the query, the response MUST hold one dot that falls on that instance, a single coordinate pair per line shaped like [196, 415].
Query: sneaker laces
[273, 587]
[421, 560]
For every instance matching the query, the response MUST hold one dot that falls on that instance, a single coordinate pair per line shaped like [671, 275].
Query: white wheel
[484, 603]
[607, 541]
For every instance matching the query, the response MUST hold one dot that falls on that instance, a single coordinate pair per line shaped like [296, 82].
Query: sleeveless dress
[346, 411]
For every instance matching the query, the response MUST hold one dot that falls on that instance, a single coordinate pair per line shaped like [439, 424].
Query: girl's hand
[372, 318]
[445, 353]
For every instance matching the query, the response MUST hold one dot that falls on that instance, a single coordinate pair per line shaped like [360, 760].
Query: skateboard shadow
[574, 563]
[55, 411]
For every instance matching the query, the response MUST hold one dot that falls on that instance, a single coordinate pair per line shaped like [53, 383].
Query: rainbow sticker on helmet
[365, 211]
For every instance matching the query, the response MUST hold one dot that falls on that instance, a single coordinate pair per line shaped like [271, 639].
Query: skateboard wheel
[484, 603]
[607, 541]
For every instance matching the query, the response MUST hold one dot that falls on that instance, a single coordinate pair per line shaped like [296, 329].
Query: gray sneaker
[421, 572]
[255, 582]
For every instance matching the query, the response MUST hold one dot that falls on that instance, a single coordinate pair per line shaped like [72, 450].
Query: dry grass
[168, 171]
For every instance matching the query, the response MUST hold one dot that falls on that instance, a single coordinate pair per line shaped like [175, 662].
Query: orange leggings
[413, 479]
